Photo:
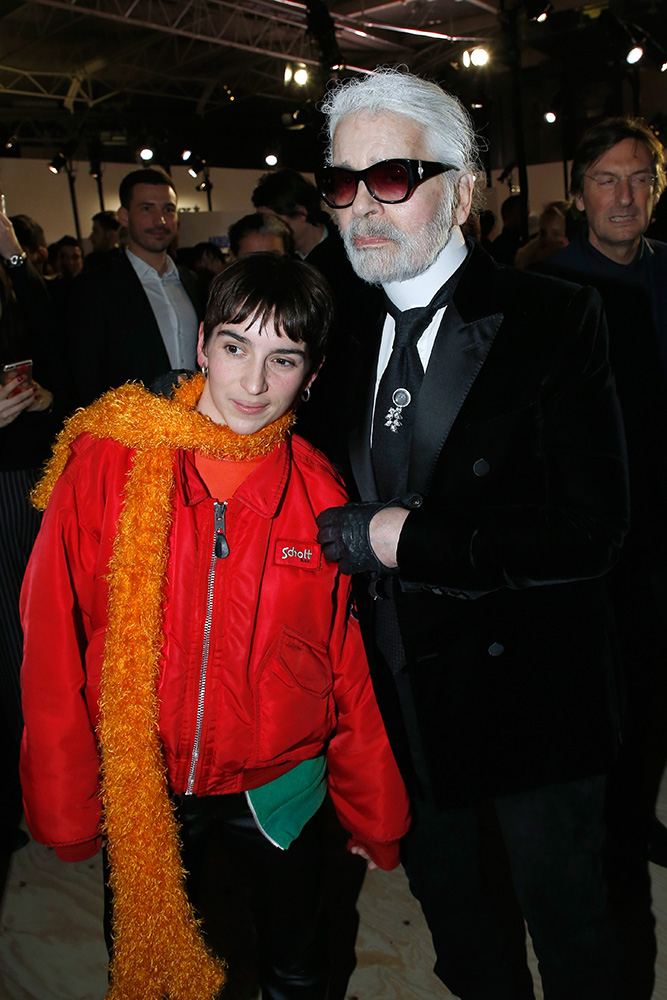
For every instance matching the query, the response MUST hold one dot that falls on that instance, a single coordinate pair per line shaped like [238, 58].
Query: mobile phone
[21, 370]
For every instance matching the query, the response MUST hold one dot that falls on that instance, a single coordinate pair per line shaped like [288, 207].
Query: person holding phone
[184, 633]
[30, 417]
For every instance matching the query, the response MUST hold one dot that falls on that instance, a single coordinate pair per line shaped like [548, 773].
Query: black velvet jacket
[519, 455]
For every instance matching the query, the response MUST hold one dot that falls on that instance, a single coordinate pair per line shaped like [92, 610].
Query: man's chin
[374, 265]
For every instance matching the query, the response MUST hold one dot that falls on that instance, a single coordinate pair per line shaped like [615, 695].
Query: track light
[475, 57]
[634, 55]
[271, 160]
[549, 117]
[57, 163]
[195, 165]
[538, 10]
[297, 74]
[146, 154]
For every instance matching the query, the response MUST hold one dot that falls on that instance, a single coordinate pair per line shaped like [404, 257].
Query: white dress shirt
[174, 312]
[418, 292]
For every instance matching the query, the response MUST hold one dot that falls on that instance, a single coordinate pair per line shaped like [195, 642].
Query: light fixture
[57, 163]
[475, 57]
[301, 76]
[146, 154]
[271, 159]
[11, 142]
[549, 117]
[185, 155]
[287, 76]
[663, 68]
[634, 55]
[538, 10]
[195, 164]
[205, 185]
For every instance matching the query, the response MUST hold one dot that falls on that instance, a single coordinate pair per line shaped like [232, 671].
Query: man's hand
[345, 539]
[363, 537]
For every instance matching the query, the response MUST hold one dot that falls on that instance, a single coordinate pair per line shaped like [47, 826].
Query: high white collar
[420, 290]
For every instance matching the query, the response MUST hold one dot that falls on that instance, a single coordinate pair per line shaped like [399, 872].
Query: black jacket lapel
[458, 354]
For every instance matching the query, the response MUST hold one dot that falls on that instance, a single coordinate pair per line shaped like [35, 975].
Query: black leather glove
[345, 535]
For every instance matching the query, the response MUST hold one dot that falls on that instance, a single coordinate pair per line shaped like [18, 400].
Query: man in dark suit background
[137, 317]
[617, 177]
[488, 459]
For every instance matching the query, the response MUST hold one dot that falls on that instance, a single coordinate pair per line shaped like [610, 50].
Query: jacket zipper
[220, 551]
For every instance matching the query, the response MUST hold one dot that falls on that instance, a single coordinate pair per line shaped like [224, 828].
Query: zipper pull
[221, 543]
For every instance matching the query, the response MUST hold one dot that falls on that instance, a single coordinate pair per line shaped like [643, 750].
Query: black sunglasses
[390, 181]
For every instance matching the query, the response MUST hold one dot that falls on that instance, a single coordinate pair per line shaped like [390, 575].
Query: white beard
[405, 256]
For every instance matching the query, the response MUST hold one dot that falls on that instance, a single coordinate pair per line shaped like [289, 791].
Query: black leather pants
[285, 891]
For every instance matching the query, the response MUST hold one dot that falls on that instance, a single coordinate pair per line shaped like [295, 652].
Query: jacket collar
[261, 492]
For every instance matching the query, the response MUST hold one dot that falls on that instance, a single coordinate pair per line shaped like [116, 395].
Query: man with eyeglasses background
[490, 496]
[617, 177]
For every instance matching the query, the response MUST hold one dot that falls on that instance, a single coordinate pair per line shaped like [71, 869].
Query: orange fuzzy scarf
[158, 948]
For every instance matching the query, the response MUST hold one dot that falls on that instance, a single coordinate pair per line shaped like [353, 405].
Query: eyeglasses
[389, 182]
[643, 180]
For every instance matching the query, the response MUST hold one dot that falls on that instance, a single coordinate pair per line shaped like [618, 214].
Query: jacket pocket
[294, 704]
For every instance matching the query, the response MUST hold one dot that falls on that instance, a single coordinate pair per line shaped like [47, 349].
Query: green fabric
[283, 807]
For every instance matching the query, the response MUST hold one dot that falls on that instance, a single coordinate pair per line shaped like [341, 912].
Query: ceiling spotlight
[204, 186]
[186, 154]
[634, 55]
[538, 10]
[57, 163]
[479, 57]
[11, 142]
[287, 77]
[663, 68]
[476, 105]
[195, 164]
[301, 76]
[146, 154]
[475, 57]
[549, 117]
[271, 159]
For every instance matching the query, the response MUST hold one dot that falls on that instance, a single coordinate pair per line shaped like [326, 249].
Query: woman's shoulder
[93, 463]
[314, 464]
[89, 448]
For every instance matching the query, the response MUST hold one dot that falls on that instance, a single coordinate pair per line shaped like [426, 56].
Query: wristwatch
[16, 259]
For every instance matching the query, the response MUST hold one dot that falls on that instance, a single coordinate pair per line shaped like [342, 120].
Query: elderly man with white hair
[487, 457]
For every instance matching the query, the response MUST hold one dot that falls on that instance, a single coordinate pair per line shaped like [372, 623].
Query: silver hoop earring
[204, 370]
[305, 395]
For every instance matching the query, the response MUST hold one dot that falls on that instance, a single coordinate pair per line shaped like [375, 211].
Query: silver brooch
[394, 418]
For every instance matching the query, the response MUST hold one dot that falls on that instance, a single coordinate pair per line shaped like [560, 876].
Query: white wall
[31, 188]
[546, 183]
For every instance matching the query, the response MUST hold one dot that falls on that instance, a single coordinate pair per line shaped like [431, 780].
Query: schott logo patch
[291, 552]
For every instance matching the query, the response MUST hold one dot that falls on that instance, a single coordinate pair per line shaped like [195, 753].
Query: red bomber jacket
[262, 664]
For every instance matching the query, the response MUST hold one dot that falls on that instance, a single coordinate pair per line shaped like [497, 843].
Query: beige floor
[51, 945]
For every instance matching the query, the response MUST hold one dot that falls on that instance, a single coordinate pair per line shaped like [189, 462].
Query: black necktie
[396, 402]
